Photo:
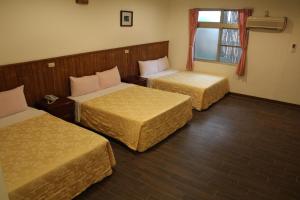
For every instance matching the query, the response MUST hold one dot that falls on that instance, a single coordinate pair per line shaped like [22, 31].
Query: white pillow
[163, 63]
[109, 78]
[12, 101]
[148, 67]
[84, 85]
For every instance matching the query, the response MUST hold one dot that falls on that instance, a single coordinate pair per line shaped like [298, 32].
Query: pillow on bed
[148, 67]
[109, 78]
[163, 63]
[12, 101]
[84, 85]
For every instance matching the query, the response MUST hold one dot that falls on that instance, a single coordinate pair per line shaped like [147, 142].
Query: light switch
[126, 51]
[50, 65]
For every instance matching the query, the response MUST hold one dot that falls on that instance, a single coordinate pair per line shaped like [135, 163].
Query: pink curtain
[244, 35]
[193, 23]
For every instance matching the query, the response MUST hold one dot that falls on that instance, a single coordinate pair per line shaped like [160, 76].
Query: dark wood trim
[291, 105]
[40, 80]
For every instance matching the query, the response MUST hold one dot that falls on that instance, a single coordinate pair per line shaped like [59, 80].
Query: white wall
[36, 29]
[3, 192]
[273, 72]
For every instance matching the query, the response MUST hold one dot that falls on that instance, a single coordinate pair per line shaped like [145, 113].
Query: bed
[139, 117]
[204, 89]
[42, 161]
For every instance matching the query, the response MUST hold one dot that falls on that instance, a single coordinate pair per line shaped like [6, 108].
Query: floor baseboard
[266, 100]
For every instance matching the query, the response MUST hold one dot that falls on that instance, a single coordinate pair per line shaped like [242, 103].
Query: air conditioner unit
[271, 23]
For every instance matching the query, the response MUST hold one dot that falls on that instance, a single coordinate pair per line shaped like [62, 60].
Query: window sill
[216, 62]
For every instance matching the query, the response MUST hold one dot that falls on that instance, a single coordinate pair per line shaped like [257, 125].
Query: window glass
[230, 17]
[230, 54]
[209, 16]
[217, 38]
[230, 37]
[206, 44]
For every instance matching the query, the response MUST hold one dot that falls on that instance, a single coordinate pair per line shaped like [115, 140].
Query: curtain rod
[217, 9]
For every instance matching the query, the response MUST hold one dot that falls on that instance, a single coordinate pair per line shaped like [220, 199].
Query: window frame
[220, 25]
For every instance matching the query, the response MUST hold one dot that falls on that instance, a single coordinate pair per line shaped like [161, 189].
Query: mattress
[160, 74]
[21, 116]
[204, 89]
[44, 157]
[137, 116]
[81, 99]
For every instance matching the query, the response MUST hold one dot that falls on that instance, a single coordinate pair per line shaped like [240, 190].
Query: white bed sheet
[81, 99]
[21, 116]
[159, 74]
[162, 73]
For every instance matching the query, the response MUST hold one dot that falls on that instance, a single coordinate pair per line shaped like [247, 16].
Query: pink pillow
[12, 101]
[109, 78]
[148, 67]
[163, 64]
[84, 85]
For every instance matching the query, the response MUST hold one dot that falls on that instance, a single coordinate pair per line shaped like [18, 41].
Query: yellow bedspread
[137, 116]
[47, 158]
[203, 88]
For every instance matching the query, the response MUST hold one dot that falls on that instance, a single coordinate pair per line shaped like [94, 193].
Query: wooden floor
[239, 149]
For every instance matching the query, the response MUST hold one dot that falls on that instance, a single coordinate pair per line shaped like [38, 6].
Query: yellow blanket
[203, 88]
[137, 116]
[47, 158]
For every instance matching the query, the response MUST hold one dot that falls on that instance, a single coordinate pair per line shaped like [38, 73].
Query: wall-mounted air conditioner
[271, 23]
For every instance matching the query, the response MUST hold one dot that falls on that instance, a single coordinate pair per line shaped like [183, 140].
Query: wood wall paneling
[40, 80]
[148, 52]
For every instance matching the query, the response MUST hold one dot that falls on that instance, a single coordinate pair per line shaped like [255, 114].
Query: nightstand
[62, 108]
[135, 80]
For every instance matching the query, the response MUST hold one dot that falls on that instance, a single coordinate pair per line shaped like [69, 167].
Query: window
[217, 36]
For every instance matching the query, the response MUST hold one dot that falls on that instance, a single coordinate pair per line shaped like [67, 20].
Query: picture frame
[126, 18]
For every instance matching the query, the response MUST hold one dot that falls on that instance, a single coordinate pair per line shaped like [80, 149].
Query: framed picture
[126, 18]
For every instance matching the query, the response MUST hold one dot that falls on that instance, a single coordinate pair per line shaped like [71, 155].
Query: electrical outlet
[126, 51]
[50, 65]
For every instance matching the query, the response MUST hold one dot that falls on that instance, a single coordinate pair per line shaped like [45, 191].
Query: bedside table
[62, 108]
[135, 80]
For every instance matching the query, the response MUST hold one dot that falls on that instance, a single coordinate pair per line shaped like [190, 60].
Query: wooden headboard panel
[40, 80]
